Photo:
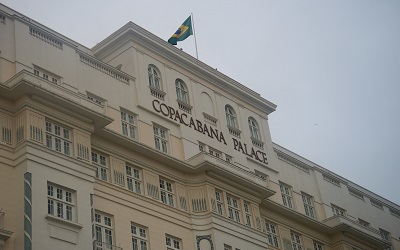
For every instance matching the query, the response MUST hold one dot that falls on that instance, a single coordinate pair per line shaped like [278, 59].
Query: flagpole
[195, 40]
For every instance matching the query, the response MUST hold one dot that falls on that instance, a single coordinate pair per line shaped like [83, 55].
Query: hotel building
[134, 144]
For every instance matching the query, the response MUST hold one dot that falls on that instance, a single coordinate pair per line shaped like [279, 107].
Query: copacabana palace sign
[206, 129]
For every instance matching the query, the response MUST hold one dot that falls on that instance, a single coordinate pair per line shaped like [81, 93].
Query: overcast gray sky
[332, 67]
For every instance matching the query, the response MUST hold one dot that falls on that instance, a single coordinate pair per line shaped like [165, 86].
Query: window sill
[63, 221]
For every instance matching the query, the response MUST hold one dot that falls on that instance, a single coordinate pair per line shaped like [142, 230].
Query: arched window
[154, 77]
[254, 129]
[230, 117]
[181, 91]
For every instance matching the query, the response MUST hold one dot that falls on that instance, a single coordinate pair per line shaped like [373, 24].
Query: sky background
[332, 67]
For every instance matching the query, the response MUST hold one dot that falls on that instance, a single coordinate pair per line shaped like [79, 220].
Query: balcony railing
[98, 245]
[158, 93]
[337, 220]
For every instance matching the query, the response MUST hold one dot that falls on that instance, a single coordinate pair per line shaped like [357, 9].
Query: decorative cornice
[105, 68]
[46, 37]
[292, 161]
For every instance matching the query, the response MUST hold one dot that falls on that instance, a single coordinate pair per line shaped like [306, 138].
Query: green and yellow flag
[183, 32]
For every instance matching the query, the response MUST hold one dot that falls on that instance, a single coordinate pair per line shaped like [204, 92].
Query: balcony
[234, 174]
[158, 93]
[98, 245]
[4, 234]
[59, 97]
[353, 228]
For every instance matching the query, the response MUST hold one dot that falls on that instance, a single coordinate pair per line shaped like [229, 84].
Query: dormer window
[181, 91]
[255, 133]
[182, 96]
[230, 116]
[154, 77]
[155, 82]
[231, 121]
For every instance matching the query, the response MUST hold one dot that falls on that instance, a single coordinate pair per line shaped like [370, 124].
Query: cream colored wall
[32, 51]
[7, 42]
[7, 69]
[50, 234]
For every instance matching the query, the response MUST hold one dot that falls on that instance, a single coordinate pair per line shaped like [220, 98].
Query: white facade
[135, 143]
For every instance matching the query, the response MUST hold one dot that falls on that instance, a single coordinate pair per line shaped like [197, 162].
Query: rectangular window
[296, 241]
[166, 192]
[233, 208]
[173, 243]
[220, 203]
[133, 179]
[308, 202]
[100, 161]
[6, 135]
[103, 231]
[286, 193]
[272, 234]
[161, 139]
[338, 211]
[58, 138]
[247, 213]
[61, 203]
[129, 128]
[139, 237]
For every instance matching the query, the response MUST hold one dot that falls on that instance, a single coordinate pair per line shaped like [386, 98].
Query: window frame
[219, 200]
[101, 161]
[296, 241]
[58, 141]
[154, 77]
[140, 234]
[161, 139]
[6, 134]
[167, 192]
[61, 202]
[231, 118]
[308, 203]
[182, 93]
[134, 178]
[233, 205]
[272, 234]
[248, 215]
[106, 226]
[254, 129]
[287, 196]
[129, 124]
[173, 243]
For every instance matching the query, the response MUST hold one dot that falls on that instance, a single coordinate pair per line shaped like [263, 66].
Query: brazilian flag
[183, 32]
